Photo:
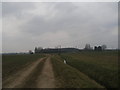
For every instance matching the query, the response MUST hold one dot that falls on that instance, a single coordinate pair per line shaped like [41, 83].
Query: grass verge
[31, 81]
[68, 77]
[100, 66]
[13, 63]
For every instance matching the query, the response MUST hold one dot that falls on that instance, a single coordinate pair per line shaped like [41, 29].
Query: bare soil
[18, 79]
[46, 79]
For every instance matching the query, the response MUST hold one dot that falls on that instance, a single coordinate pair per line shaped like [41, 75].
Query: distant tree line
[59, 50]
[55, 50]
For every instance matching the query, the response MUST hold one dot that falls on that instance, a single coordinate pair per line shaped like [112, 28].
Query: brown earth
[19, 78]
[46, 79]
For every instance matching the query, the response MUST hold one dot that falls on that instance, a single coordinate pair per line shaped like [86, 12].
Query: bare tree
[88, 47]
[104, 47]
[38, 50]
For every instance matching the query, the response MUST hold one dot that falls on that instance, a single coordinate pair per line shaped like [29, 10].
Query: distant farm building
[100, 48]
[55, 50]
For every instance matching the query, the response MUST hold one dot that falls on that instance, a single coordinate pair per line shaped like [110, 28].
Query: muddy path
[18, 79]
[46, 79]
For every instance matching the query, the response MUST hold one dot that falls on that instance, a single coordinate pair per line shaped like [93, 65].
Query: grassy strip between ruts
[100, 66]
[68, 77]
[13, 63]
[31, 81]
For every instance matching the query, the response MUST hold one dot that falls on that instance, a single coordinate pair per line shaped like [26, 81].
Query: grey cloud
[63, 20]
[15, 8]
[82, 23]
[73, 22]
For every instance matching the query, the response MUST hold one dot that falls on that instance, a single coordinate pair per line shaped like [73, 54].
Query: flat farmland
[100, 66]
[13, 63]
[85, 69]
[70, 77]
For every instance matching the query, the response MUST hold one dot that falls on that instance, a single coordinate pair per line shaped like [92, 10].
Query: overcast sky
[28, 25]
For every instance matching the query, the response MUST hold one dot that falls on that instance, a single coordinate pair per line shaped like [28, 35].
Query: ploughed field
[82, 70]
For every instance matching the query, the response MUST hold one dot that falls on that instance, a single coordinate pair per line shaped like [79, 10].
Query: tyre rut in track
[46, 79]
[18, 79]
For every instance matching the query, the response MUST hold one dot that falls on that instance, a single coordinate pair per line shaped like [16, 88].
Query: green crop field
[100, 66]
[85, 69]
[12, 63]
[69, 77]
